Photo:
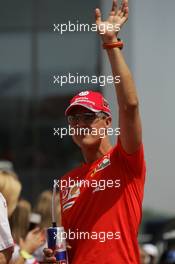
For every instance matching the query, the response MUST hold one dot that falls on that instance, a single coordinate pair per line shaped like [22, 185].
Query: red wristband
[119, 44]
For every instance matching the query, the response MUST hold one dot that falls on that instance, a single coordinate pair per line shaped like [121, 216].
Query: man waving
[105, 221]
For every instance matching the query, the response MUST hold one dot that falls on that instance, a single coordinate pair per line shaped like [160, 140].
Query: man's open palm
[117, 17]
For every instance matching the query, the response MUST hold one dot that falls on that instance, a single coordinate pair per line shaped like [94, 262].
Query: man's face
[90, 127]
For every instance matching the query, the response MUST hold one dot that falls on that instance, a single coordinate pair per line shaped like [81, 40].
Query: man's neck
[93, 153]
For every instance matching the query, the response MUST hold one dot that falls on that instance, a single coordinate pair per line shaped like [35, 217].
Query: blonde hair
[19, 221]
[10, 187]
[43, 207]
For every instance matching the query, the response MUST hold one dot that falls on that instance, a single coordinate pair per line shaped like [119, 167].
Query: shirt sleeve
[6, 239]
[135, 161]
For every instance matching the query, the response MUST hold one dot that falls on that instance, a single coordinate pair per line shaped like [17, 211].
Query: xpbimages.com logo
[81, 131]
[85, 27]
[76, 78]
[82, 235]
[101, 184]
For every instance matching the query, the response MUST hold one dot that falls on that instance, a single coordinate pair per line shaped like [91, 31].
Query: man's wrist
[110, 40]
[117, 44]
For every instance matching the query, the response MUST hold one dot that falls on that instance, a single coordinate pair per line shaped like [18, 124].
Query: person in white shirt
[10, 189]
[6, 240]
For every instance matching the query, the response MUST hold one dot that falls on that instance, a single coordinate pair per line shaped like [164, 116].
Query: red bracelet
[119, 44]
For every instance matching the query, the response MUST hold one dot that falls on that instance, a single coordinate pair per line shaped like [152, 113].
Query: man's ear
[108, 121]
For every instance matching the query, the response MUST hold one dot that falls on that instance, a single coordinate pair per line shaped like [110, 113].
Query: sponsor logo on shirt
[103, 164]
[68, 205]
[68, 194]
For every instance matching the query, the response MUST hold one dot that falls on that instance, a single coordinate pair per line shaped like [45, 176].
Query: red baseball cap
[93, 101]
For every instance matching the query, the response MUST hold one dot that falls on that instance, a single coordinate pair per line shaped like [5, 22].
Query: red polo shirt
[102, 214]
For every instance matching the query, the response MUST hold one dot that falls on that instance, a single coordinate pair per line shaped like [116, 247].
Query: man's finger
[98, 15]
[123, 10]
[114, 6]
[51, 260]
[48, 252]
[124, 4]
[126, 12]
[68, 246]
[126, 9]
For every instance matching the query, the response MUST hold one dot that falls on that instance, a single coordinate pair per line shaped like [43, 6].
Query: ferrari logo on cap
[83, 93]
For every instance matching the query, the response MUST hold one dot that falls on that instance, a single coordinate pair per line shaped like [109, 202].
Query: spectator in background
[10, 189]
[6, 240]
[26, 242]
[144, 257]
[43, 208]
[19, 220]
[152, 251]
[6, 165]
[168, 257]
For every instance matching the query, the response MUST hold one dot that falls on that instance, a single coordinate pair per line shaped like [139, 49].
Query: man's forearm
[126, 91]
[129, 117]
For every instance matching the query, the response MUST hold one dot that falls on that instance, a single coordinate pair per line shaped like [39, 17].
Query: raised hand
[117, 17]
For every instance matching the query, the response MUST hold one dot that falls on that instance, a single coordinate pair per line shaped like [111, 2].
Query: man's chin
[88, 141]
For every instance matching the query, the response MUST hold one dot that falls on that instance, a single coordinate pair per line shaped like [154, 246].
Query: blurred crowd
[149, 254]
[22, 227]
